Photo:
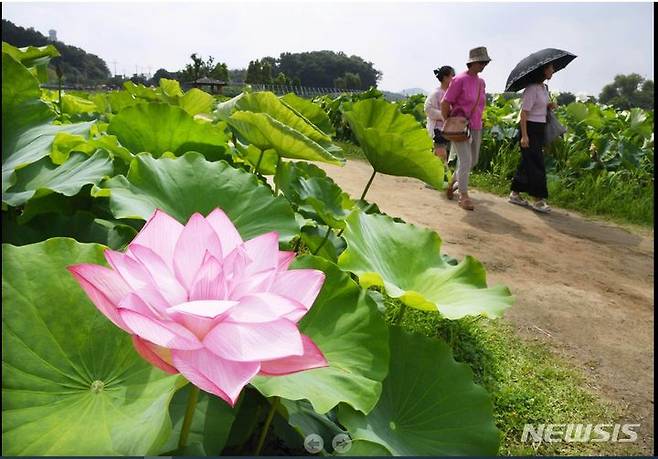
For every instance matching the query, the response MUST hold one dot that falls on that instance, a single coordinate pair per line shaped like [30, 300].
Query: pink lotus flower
[201, 302]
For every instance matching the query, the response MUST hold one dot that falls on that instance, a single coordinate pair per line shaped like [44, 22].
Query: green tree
[220, 72]
[162, 73]
[281, 79]
[628, 91]
[322, 68]
[352, 80]
[266, 73]
[253, 72]
[340, 83]
[565, 98]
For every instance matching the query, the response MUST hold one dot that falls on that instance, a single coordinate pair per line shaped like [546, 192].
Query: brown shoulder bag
[456, 128]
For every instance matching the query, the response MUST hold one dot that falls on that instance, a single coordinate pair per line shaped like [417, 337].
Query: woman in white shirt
[433, 111]
[530, 176]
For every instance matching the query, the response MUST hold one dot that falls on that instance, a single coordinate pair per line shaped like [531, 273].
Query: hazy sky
[405, 40]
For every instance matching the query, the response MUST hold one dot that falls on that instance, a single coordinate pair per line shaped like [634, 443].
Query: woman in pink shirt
[466, 97]
[530, 176]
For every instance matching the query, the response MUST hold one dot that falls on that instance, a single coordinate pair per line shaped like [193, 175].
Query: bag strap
[477, 101]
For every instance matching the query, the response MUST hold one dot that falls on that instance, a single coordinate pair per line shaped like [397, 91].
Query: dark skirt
[530, 176]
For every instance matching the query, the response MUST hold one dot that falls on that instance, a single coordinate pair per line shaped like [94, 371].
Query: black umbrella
[525, 71]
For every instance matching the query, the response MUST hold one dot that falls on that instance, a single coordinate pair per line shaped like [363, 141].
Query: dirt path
[583, 287]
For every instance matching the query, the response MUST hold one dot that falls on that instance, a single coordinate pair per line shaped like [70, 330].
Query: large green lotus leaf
[21, 110]
[196, 101]
[35, 58]
[315, 238]
[311, 111]
[407, 262]
[170, 88]
[394, 143]
[211, 424]
[429, 405]
[267, 102]
[74, 105]
[223, 110]
[346, 326]
[265, 165]
[265, 132]
[142, 92]
[43, 177]
[301, 417]
[120, 100]
[64, 144]
[82, 226]
[578, 111]
[72, 384]
[158, 127]
[33, 144]
[26, 134]
[308, 187]
[364, 448]
[188, 184]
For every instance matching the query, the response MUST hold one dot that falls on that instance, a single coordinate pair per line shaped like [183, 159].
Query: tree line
[314, 68]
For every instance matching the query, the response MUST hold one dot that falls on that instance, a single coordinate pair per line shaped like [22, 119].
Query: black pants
[530, 176]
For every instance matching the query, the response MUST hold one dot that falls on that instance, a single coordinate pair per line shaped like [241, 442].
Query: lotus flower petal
[265, 307]
[302, 285]
[200, 301]
[254, 341]
[162, 276]
[160, 234]
[213, 374]
[264, 251]
[132, 271]
[227, 233]
[204, 308]
[209, 283]
[312, 358]
[166, 334]
[285, 258]
[197, 238]
[148, 352]
[104, 287]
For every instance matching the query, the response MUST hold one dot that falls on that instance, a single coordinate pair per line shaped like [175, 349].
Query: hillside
[77, 65]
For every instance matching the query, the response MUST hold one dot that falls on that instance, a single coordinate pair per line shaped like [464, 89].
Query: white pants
[468, 153]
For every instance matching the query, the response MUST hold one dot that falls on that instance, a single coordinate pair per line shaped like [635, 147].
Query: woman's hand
[525, 141]
[552, 106]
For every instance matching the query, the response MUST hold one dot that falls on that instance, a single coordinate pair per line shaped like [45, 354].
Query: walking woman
[433, 111]
[466, 97]
[530, 176]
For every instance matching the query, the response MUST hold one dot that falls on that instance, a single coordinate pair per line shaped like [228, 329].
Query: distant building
[52, 35]
[215, 86]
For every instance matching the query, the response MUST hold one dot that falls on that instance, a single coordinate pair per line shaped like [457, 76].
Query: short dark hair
[443, 72]
[537, 76]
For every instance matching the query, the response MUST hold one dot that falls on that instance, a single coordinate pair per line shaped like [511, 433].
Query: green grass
[527, 383]
[615, 200]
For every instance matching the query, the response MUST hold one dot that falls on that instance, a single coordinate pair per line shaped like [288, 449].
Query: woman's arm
[432, 108]
[525, 141]
[445, 109]
[527, 101]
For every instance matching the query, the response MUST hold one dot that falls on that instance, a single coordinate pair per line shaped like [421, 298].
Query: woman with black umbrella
[530, 176]
[531, 74]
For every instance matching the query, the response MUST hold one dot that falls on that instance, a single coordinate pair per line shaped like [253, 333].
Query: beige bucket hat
[478, 55]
